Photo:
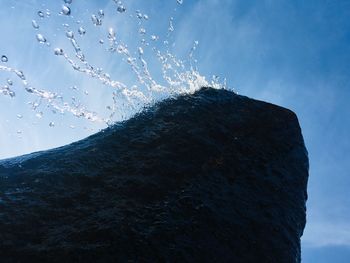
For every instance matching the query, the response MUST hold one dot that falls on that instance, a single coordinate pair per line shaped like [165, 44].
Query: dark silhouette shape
[207, 177]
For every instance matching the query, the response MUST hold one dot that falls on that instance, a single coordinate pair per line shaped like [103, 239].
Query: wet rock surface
[207, 177]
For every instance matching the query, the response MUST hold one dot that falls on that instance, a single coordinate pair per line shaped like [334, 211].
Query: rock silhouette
[207, 177]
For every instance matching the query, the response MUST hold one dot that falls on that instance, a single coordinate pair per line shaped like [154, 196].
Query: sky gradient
[292, 53]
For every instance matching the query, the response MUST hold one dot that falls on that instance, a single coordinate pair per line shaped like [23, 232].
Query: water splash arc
[176, 76]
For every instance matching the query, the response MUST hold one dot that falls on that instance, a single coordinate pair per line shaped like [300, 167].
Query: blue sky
[292, 53]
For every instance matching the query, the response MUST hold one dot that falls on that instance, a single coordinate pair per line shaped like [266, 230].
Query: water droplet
[154, 38]
[72, 126]
[58, 51]
[180, 2]
[41, 14]
[101, 13]
[70, 34]
[48, 13]
[111, 34]
[19, 116]
[145, 17]
[29, 89]
[171, 25]
[140, 49]
[81, 31]
[75, 45]
[96, 21]
[80, 56]
[66, 10]
[40, 38]
[12, 93]
[142, 31]
[19, 132]
[68, 1]
[39, 115]
[101, 41]
[35, 105]
[86, 92]
[4, 59]
[52, 124]
[10, 82]
[20, 74]
[138, 14]
[121, 9]
[35, 24]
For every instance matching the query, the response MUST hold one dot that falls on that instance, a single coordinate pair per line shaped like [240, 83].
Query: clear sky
[292, 53]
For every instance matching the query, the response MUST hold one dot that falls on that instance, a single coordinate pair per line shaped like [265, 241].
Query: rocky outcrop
[207, 177]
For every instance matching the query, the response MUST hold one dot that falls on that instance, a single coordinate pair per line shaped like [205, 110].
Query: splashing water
[158, 72]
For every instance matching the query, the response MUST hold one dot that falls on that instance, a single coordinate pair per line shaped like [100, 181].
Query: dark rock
[208, 177]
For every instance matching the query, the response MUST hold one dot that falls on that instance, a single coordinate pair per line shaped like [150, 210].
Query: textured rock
[208, 177]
